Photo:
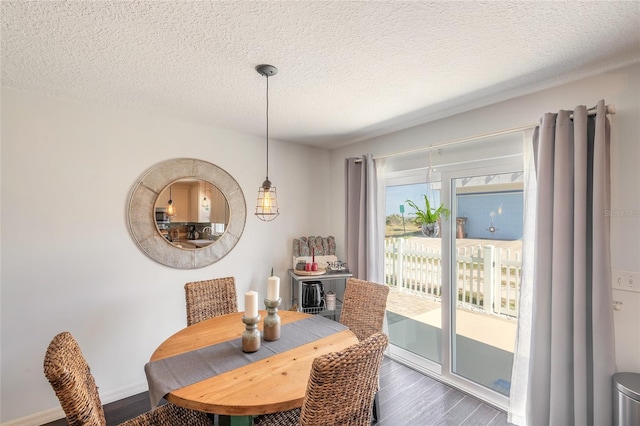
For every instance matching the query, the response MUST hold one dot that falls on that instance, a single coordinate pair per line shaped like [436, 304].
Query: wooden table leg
[235, 420]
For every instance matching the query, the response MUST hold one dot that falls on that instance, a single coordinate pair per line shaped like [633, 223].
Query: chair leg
[376, 408]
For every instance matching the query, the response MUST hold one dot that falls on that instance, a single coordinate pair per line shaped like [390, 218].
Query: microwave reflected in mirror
[191, 213]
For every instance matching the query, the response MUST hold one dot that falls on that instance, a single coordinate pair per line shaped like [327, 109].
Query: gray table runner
[178, 371]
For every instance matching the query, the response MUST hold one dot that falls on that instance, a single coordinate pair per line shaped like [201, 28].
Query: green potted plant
[429, 218]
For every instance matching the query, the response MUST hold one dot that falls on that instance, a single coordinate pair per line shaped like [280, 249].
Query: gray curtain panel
[363, 243]
[355, 221]
[572, 355]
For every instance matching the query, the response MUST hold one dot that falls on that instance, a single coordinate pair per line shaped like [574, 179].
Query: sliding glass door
[413, 268]
[486, 254]
[452, 309]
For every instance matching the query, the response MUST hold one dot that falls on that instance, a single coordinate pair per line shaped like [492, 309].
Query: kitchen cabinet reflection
[201, 213]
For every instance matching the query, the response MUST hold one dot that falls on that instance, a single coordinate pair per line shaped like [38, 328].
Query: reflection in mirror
[201, 213]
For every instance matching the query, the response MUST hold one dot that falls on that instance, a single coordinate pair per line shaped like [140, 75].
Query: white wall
[68, 262]
[619, 87]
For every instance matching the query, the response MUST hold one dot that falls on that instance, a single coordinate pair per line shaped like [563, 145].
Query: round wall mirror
[186, 213]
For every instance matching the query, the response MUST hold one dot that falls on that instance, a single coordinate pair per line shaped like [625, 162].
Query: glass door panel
[413, 270]
[486, 266]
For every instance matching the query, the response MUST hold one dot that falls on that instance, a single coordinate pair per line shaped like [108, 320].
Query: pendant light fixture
[205, 202]
[171, 210]
[267, 206]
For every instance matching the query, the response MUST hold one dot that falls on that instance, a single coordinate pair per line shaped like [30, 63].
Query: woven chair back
[68, 372]
[342, 385]
[364, 307]
[210, 298]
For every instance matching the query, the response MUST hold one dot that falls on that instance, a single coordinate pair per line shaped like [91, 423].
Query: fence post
[399, 274]
[489, 277]
[497, 286]
[387, 272]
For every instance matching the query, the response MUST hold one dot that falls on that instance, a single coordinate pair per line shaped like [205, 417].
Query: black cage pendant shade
[267, 205]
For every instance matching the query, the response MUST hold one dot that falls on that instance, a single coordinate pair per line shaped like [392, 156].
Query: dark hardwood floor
[407, 398]
[410, 398]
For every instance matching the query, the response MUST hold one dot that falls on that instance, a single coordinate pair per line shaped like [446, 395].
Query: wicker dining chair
[340, 389]
[210, 298]
[363, 310]
[68, 372]
[363, 307]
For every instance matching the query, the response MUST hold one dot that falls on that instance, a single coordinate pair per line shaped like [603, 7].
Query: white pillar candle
[273, 288]
[251, 304]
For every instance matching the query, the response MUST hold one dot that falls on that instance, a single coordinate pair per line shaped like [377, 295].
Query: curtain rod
[609, 109]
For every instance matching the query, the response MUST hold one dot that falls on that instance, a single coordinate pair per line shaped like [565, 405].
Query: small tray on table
[320, 271]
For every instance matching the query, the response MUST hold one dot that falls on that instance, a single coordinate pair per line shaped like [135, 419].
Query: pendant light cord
[267, 75]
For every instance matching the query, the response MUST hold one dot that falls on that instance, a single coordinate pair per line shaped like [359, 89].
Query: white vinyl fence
[488, 278]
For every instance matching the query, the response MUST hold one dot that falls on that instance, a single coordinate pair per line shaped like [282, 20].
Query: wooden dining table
[276, 382]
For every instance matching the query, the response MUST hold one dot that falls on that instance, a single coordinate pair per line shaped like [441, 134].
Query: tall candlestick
[314, 264]
[273, 288]
[251, 304]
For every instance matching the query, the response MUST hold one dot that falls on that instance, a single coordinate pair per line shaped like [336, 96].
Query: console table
[331, 280]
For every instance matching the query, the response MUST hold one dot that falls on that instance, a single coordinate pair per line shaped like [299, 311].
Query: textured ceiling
[347, 70]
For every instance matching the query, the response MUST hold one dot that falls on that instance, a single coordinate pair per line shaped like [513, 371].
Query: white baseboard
[52, 414]
[124, 392]
[38, 418]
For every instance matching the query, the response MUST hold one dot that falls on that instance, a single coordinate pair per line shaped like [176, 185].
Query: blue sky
[397, 195]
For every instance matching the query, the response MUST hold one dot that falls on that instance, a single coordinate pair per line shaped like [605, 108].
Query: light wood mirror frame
[141, 213]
